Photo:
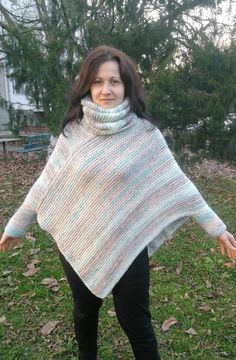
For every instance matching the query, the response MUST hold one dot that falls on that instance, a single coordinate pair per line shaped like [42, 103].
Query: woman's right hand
[7, 242]
[227, 244]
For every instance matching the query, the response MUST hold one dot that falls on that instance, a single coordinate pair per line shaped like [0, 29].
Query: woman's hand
[227, 242]
[7, 242]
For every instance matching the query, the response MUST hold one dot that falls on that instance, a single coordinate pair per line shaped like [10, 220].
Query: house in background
[4, 116]
[11, 94]
[18, 100]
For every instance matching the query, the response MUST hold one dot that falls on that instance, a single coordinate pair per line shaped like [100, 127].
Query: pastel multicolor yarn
[110, 188]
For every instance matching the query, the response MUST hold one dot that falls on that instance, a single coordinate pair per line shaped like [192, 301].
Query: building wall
[4, 117]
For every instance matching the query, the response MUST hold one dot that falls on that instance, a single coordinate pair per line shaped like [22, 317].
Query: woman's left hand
[227, 242]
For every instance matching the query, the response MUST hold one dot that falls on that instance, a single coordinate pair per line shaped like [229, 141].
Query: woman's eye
[115, 81]
[97, 82]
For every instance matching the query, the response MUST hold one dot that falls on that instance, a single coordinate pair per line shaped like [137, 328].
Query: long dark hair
[129, 75]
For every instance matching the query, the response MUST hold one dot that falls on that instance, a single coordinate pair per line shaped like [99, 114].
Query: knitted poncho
[110, 188]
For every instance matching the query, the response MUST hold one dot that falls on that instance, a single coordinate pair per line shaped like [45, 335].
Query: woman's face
[108, 89]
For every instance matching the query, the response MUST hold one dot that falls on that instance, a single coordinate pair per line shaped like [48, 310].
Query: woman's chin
[107, 104]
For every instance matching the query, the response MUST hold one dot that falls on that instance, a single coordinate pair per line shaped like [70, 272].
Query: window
[18, 90]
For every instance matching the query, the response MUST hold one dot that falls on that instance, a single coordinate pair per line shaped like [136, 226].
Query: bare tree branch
[6, 15]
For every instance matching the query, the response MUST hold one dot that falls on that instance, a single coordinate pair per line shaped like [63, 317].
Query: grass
[186, 273]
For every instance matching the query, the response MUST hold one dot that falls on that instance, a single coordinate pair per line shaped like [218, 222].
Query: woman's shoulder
[70, 127]
[149, 127]
[153, 134]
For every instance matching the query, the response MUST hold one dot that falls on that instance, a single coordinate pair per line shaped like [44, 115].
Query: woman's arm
[26, 214]
[200, 210]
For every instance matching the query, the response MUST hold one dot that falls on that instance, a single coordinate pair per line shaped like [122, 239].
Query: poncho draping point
[110, 188]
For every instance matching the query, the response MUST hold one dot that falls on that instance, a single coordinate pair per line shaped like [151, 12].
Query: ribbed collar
[106, 121]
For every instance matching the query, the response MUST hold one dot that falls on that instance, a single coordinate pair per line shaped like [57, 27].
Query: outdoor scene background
[186, 55]
[185, 52]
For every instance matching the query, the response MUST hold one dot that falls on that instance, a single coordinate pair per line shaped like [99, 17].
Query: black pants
[131, 301]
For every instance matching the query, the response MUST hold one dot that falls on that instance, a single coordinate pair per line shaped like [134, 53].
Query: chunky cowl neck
[102, 121]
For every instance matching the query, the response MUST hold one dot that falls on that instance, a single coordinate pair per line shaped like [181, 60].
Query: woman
[110, 195]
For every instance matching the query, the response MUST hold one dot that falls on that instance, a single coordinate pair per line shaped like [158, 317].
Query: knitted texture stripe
[110, 188]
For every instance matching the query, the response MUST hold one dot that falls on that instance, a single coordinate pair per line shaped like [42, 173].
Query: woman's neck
[106, 121]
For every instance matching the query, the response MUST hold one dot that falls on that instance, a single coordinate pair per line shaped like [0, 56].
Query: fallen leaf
[33, 262]
[209, 332]
[229, 264]
[179, 267]
[3, 319]
[30, 272]
[49, 327]
[111, 313]
[33, 251]
[208, 284]
[49, 282]
[30, 237]
[151, 264]
[204, 308]
[14, 254]
[54, 288]
[231, 314]
[6, 272]
[168, 323]
[229, 198]
[158, 268]
[9, 280]
[186, 296]
[28, 295]
[191, 331]
[55, 348]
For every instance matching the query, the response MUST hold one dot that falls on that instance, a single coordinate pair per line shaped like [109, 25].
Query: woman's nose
[106, 89]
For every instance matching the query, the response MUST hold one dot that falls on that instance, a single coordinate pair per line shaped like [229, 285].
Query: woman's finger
[222, 248]
[233, 254]
[232, 240]
[229, 252]
[18, 241]
[11, 244]
[225, 244]
[3, 247]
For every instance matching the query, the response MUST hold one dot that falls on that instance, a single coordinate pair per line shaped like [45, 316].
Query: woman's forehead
[108, 68]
